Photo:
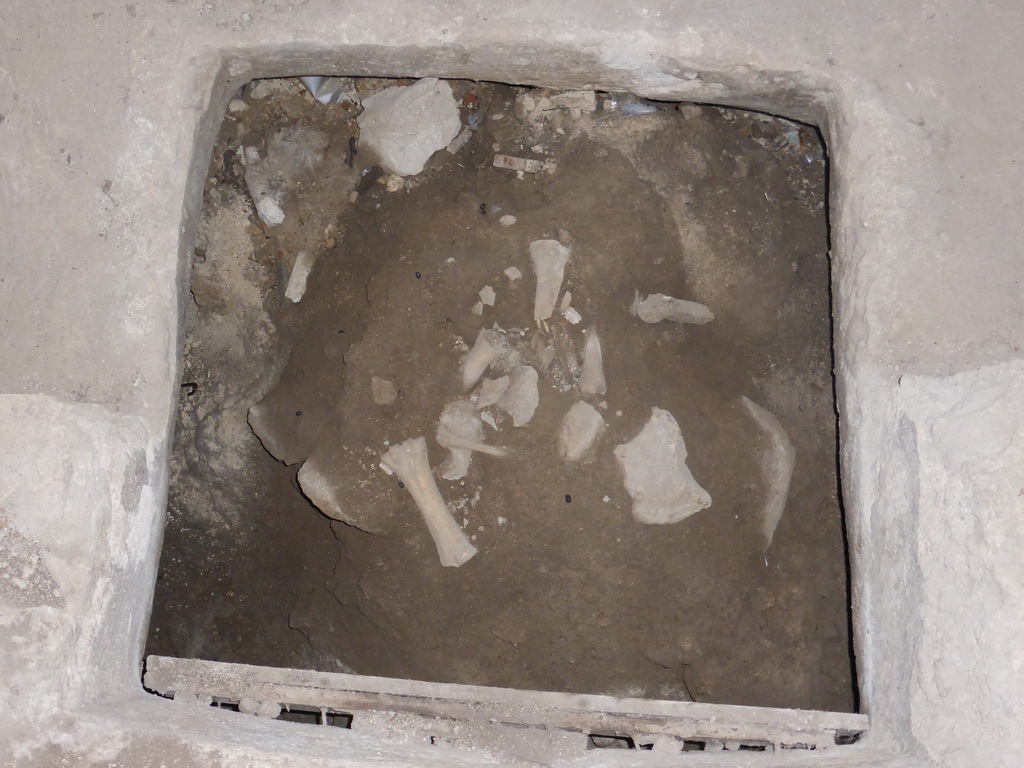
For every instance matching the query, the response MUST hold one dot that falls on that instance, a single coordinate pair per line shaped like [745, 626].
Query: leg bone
[409, 461]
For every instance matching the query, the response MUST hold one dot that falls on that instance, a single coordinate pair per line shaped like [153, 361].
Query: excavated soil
[567, 591]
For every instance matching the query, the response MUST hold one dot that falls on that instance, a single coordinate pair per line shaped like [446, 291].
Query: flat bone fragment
[485, 351]
[777, 463]
[383, 391]
[592, 380]
[658, 307]
[656, 476]
[491, 391]
[409, 461]
[566, 302]
[522, 396]
[580, 428]
[549, 258]
[513, 274]
[331, 495]
[487, 295]
[461, 431]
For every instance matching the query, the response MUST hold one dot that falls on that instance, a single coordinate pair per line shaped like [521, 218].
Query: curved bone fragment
[461, 431]
[581, 427]
[592, 375]
[522, 396]
[549, 258]
[491, 391]
[656, 476]
[485, 351]
[658, 307]
[777, 462]
[409, 461]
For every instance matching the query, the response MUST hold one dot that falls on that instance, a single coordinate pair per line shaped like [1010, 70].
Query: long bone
[409, 461]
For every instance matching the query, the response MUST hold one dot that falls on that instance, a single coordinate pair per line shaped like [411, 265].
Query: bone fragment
[513, 274]
[383, 391]
[549, 258]
[656, 476]
[297, 280]
[487, 295]
[592, 380]
[777, 462]
[461, 431]
[522, 397]
[491, 391]
[658, 307]
[580, 428]
[409, 461]
[485, 351]
[566, 302]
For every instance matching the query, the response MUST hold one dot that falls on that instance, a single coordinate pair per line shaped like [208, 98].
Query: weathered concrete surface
[968, 431]
[106, 113]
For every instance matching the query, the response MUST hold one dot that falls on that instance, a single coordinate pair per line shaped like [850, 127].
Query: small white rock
[572, 315]
[237, 105]
[513, 274]
[507, 220]
[270, 211]
[487, 295]
[478, 308]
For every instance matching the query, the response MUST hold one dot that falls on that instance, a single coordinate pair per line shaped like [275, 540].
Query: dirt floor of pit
[568, 591]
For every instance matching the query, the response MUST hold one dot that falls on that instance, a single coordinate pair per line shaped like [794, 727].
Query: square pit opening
[631, 201]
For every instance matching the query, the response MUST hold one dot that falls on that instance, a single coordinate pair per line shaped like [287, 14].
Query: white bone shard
[300, 274]
[522, 397]
[461, 431]
[777, 462]
[485, 351]
[592, 380]
[513, 274]
[487, 295]
[656, 476]
[580, 428]
[549, 258]
[658, 307]
[491, 391]
[409, 461]
[566, 302]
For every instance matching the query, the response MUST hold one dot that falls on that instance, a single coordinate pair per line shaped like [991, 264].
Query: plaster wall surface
[106, 111]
